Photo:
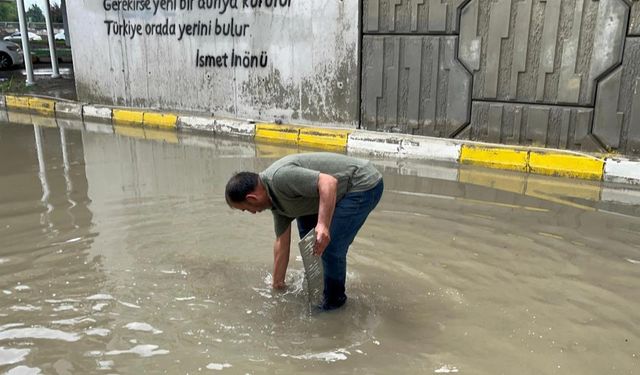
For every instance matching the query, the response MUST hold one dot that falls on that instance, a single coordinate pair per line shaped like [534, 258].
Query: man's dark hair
[239, 185]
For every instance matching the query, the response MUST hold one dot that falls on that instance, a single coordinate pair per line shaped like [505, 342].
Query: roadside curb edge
[552, 162]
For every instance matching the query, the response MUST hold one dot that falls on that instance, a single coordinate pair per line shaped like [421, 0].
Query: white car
[60, 36]
[18, 36]
[10, 54]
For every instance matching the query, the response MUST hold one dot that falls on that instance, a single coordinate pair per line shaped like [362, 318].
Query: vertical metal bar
[65, 156]
[25, 42]
[67, 177]
[65, 160]
[42, 171]
[67, 36]
[52, 42]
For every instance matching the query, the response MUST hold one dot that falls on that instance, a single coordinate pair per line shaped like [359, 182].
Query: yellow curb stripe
[318, 137]
[512, 182]
[161, 120]
[494, 157]
[281, 133]
[266, 149]
[563, 189]
[43, 106]
[129, 131]
[564, 202]
[17, 102]
[128, 117]
[161, 135]
[566, 165]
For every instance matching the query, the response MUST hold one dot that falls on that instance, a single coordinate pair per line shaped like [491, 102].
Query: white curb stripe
[218, 126]
[96, 112]
[403, 168]
[237, 127]
[624, 196]
[404, 146]
[622, 171]
[97, 127]
[196, 123]
[69, 109]
[71, 123]
[227, 148]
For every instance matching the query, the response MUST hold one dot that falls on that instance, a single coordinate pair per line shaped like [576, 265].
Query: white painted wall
[311, 76]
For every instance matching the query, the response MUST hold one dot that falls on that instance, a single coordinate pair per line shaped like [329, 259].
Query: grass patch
[13, 86]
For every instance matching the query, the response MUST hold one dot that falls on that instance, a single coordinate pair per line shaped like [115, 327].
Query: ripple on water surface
[126, 256]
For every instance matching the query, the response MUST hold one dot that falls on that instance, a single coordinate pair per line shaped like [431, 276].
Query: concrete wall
[562, 73]
[308, 71]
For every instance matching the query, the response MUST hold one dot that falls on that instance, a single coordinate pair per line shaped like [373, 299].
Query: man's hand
[322, 240]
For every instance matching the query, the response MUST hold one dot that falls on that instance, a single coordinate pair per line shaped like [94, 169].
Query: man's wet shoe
[328, 305]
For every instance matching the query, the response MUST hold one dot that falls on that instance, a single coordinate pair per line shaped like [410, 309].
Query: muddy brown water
[118, 255]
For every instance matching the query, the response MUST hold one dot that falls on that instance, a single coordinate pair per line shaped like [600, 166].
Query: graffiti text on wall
[212, 27]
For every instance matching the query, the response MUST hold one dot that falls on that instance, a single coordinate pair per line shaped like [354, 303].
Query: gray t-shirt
[292, 183]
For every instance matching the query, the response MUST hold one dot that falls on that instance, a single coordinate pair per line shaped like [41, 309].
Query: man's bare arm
[327, 189]
[281, 249]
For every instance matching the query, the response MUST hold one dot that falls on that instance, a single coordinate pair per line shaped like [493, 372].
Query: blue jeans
[348, 217]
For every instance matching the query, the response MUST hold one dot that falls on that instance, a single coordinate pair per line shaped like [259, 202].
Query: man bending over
[332, 193]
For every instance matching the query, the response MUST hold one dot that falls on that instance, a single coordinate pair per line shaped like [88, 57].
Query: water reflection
[45, 225]
[120, 255]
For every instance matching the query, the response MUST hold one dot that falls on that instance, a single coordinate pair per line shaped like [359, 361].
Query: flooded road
[119, 255]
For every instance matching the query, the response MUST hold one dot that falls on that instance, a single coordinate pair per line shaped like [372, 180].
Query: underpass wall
[269, 60]
[560, 74]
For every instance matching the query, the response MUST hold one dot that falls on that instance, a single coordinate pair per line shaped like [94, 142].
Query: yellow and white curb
[155, 125]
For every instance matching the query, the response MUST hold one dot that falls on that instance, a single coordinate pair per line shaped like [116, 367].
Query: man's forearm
[281, 249]
[327, 190]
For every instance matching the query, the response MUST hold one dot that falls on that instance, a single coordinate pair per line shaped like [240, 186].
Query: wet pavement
[62, 87]
[118, 254]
